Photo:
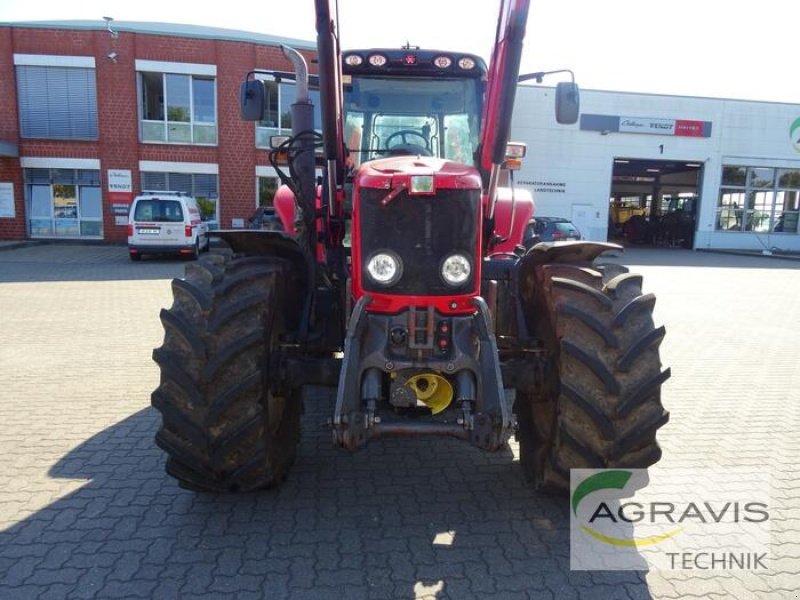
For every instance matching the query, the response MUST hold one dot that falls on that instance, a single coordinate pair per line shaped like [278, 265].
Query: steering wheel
[407, 147]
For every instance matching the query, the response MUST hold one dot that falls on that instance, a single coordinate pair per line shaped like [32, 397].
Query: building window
[267, 186]
[278, 113]
[64, 203]
[178, 108]
[787, 201]
[203, 187]
[57, 102]
[758, 199]
[265, 216]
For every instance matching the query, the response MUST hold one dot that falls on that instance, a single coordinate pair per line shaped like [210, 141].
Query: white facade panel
[568, 169]
[53, 60]
[179, 167]
[42, 162]
[160, 66]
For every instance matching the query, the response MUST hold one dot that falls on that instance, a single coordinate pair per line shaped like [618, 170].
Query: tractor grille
[423, 231]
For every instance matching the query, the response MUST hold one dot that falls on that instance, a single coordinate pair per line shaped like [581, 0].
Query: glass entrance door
[64, 203]
[65, 211]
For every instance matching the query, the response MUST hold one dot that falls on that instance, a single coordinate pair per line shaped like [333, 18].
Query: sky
[706, 48]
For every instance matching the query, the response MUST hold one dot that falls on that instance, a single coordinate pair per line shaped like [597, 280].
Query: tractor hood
[421, 175]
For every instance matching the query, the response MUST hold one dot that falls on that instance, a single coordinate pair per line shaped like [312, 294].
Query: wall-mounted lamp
[112, 56]
[114, 34]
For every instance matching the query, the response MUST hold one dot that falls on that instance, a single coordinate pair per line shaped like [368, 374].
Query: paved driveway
[87, 512]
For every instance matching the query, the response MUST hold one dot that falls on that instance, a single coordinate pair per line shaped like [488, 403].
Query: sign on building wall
[794, 134]
[120, 186]
[120, 194]
[7, 210]
[545, 185]
[646, 125]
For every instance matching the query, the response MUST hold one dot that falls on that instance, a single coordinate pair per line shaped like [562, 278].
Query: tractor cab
[412, 102]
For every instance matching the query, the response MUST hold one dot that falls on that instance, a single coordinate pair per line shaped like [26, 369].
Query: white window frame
[174, 68]
[187, 168]
[269, 171]
[179, 167]
[53, 60]
[88, 164]
[278, 130]
[263, 171]
[747, 215]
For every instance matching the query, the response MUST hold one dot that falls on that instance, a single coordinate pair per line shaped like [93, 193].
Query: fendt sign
[646, 125]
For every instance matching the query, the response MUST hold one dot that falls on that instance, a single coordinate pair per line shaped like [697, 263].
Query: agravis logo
[605, 481]
[682, 519]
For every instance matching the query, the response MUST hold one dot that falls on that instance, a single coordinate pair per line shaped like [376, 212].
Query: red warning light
[410, 59]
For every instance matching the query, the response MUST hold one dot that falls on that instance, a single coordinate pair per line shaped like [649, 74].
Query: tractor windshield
[412, 115]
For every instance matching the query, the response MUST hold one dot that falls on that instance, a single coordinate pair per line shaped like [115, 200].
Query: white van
[166, 222]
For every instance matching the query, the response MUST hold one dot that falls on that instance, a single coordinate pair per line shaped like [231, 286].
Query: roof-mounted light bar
[422, 63]
[353, 60]
[466, 63]
[443, 62]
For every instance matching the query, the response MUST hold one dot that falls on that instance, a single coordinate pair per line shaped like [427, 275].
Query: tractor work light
[377, 60]
[276, 141]
[456, 269]
[516, 150]
[384, 267]
[466, 63]
[443, 62]
[353, 60]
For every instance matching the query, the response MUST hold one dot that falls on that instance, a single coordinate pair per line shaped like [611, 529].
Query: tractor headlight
[456, 269]
[384, 267]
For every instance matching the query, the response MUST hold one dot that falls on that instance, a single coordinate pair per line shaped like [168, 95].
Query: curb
[16, 245]
[752, 254]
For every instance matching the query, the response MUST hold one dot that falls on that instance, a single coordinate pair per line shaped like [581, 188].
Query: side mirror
[568, 102]
[252, 100]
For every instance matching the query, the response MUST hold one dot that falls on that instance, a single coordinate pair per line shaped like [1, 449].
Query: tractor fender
[525, 281]
[566, 252]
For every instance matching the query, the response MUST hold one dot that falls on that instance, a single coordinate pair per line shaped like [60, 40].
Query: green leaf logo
[794, 133]
[601, 481]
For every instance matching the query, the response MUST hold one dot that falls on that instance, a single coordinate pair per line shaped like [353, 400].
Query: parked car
[549, 229]
[166, 223]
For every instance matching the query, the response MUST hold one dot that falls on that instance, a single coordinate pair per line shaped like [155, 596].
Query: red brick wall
[118, 146]
[237, 155]
[118, 120]
[9, 122]
[13, 229]
[10, 229]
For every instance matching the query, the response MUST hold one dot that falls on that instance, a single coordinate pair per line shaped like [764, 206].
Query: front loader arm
[330, 88]
[501, 91]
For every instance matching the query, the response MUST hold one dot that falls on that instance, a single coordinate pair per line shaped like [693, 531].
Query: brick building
[95, 112]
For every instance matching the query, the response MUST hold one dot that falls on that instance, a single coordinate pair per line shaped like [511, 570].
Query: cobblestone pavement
[86, 510]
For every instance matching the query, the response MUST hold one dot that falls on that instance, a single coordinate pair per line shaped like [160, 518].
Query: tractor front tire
[601, 405]
[225, 426]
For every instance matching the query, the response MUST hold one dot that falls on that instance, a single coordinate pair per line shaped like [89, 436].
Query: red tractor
[399, 278]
